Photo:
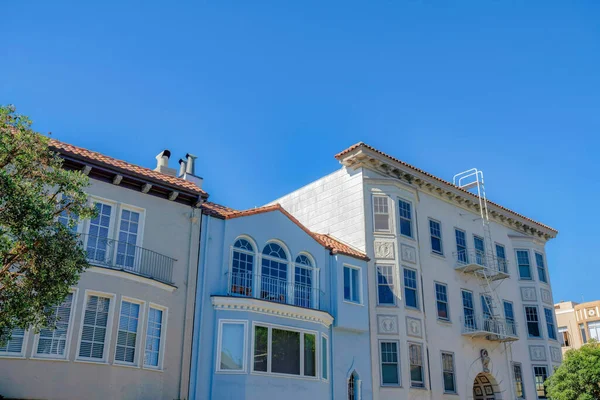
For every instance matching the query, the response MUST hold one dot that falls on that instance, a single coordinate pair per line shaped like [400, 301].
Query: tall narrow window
[549, 314]
[14, 346]
[411, 297]
[261, 348]
[479, 250]
[487, 306]
[353, 387]
[351, 284]
[303, 285]
[523, 264]
[541, 374]
[461, 247]
[469, 310]
[518, 379]
[128, 236]
[154, 337]
[310, 355]
[405, 218]
[533, 321]
[385, 285]
[232, 343]
[127, 335]
[563, 334]
[381, 214]
[95, 322]
[448, 372]
[501, 258]
[435, 230]
[390, 372]
[594, 328]
[583, 335]
[324, 358]
[67, 218]
[541, 267]
[509, 316]
[53, 342]
[441, 296]
[242, 268]
[417, 378]
[274, 281]
[97, 240]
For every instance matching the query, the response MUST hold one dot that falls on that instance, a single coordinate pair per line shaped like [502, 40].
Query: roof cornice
[362, 155]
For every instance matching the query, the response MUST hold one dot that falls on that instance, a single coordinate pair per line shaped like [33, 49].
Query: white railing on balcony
[124, 256]
[482, 325]
[264, 287]
[477, 260]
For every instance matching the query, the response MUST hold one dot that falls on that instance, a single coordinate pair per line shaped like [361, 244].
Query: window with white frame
[469, 310]
[479, 245]
[462, 255]
[435, 230]
[518, 380]
[127, 333]
[441, 297]
[324, 357]
[352, 284]
[594, 328]
[274, 278]
[232, 346]
[390, 367]
[448, 372]
[385, 285]
[417, 375]
[540, 373]
[533, 322]
[501, 258]
[52, 340]
[97, 247]
[550, 327]
[303, 282]
[127, 254]
[405, 218]
[242, 268]
[154, 337]
[509, 316]
[282, 350]
[541, 267]
[411, 297]
[66, 217]
[381, 213]
[523, 264]
[15, 345]
[94, 332]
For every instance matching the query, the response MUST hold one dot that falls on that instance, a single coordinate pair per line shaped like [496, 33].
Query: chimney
[187, 170]
[191, 160]
[162, 163]
[182, 168]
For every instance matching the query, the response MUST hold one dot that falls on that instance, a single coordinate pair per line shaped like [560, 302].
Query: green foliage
[578, 378]
[40, 257]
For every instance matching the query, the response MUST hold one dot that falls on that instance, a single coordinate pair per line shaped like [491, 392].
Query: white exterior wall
[332, 204]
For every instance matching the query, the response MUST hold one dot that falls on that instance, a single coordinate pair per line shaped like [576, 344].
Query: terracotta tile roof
[362, 144]
[334, 245]
[125, 167]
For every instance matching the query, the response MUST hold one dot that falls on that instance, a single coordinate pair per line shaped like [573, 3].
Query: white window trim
[435, 253]
[424, 387]
[20, 355]
[531, 272]
[360, 285]
[255, 262]
[546, 275]
[418, 307]
[392, 385]
[109, 326]
[442, 352]
[270, 351]
[449, 318]
[540, 326]
[244, 369]
[163, 337]
[533, 366]
[34, 353]
[394, 283]
[140, 334]
[553, 323]
[323, 351]
[412, 219]
[390, 222]
[514, 381]
[80, 223]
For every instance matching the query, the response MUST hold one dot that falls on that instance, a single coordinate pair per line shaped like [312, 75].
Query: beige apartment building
[123, 330]
[577, 323]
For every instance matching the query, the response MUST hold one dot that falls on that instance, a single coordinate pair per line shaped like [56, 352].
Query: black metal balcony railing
[124, 256]
[499, 328]
[279, 290]
[468, 259]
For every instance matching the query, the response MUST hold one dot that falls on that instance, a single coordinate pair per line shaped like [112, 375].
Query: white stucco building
[447, 318]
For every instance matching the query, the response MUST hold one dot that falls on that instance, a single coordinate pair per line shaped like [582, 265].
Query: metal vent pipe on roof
[190, 167]
[182, 168]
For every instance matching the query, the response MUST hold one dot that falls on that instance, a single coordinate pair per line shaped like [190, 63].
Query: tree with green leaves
[40, 203]
[578, 378]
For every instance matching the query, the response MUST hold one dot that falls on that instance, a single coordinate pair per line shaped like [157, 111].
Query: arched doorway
[485, 387]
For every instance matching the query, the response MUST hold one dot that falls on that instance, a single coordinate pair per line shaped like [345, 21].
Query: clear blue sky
[265, 93]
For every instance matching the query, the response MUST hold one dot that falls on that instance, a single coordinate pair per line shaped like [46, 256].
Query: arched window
[274, 279]
[242, 268]
[353, 387]
[303, 285]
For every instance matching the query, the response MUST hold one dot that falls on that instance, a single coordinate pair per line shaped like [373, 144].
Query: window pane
[523, 264]
[94, 327]
[355, 285]
[405, 218]
[389, 363]
[385, 284]
[310, 367]
[127, 334]
[324, 355]
[261, 334]
[346, 283]
[232, 347]
[53, 341]
[286, 352]
[533, 326]
[153, 337]
[381, 213]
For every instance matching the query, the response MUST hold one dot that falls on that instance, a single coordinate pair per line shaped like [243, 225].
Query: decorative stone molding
[247, 304]
[537, 353]
[409, 254]
[384, 249]
[413, 327]
[555, 354]
[387, 324]
[528, 294]
[546, 296]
